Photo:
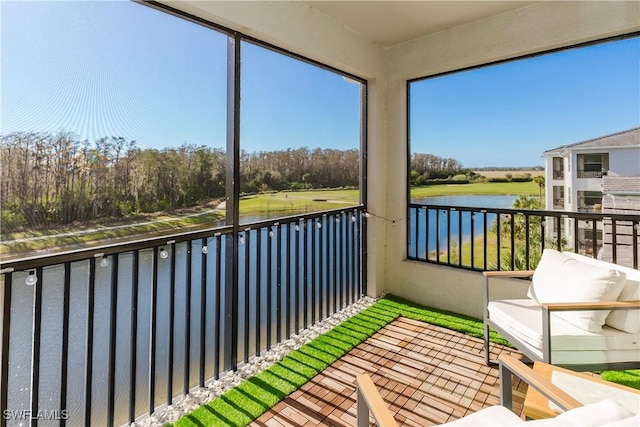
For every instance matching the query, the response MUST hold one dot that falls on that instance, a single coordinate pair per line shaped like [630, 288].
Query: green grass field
[488, 188]
[272, 205]
[298, 202]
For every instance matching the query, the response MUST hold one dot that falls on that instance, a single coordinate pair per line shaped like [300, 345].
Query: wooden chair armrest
[598, 305]
[368, 399]
[535, 380]
[518, 273]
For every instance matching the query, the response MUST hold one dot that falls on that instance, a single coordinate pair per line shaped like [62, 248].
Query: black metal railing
[104, 337]
[508, 239]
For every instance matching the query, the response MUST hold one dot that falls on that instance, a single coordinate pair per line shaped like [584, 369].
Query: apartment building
[600, 175]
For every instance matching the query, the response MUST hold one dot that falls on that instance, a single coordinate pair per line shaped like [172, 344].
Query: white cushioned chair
[579, 313]
[606, 412]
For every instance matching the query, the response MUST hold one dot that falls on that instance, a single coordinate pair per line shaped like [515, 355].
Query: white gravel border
[201, 395]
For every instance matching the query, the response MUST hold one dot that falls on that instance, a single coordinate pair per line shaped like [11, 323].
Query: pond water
[434, 231]
[478, 201]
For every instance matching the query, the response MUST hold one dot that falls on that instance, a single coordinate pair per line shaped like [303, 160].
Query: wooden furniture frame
[536, 405]
[369, 400]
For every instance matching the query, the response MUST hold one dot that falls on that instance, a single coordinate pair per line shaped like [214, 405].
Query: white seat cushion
[559, 278]
[625, 320]
[492, 416]
[596, 414]
[570, 344]
[586, 392]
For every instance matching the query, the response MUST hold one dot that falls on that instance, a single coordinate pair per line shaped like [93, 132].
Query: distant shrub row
[508, 178]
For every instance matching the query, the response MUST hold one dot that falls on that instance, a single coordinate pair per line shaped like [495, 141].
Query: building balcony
[558, 174]
[590, 174]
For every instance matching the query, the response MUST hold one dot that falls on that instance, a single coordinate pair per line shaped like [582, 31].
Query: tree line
[428, 169]
[58, 179]
[49, 179]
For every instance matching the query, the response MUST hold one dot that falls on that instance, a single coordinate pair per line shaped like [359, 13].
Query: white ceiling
[391, 22]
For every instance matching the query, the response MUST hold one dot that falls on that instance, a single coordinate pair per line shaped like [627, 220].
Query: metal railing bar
[313, 274]
[485, 235]
[614, 240]
[473, 238]
[89, 343]
[437, 235]
[258, 294]
[268, 284]
[527, 241]
[322, 285]
[305, 275]
[594, 241]
[279, 282]
[350, 263]
[634, 243]
[6, 340]
[64, 356]
[498, 241]
[512, 224]
[287, 255]
[533, 212]
[172, 313]
[186, 382]
[459, 238]
[448, 236]
[133, 350]
[334, 243]
[247, 291]
[113, 321]
[203, 308]
[35, 354]
[340, 260]
[296, 298]
[152, 331]
[217, 320]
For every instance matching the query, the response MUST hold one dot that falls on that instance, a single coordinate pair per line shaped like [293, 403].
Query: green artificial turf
[254, 396]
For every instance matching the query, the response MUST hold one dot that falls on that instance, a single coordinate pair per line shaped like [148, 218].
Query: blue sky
[122, 69]
[508, 114]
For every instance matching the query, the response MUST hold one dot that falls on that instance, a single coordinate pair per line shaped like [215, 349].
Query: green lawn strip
[488, 188]
[446, 319]
[246, 402]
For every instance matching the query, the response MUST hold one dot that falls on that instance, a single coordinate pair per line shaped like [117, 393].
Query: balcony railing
[590, 208]
[590, 174]
[103, 338]
[558, 174]
[507, 239]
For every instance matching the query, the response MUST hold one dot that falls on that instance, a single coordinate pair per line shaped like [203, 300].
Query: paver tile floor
[426, 374]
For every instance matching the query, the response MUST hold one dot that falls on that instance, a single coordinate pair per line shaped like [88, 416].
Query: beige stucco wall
[536, 28]
[303, 30]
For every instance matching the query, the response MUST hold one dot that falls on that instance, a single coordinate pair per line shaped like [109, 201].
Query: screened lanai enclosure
[187, 184]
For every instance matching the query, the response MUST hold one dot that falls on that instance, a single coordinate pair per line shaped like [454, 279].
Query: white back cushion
[625, 320]
[559, 278]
